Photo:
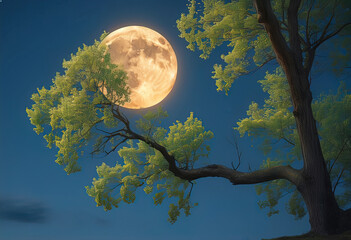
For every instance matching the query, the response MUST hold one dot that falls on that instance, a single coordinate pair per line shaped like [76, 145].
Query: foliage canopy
[78, 117]
[76, 113]
[234, 23]
[274, 124]
[213, 23]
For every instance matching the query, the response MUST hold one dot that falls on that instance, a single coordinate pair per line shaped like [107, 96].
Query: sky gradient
[38, 201]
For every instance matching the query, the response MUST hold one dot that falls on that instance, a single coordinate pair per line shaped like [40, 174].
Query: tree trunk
[315, 188]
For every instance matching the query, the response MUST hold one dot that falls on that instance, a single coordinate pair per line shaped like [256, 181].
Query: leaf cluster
[274, 124]
[212, 23]
[145, 166]
[235, 23]
[74, 104]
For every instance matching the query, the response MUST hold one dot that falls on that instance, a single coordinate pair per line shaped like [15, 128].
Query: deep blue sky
[38, 201]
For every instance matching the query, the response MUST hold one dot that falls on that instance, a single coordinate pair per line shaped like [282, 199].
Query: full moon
[149, 61]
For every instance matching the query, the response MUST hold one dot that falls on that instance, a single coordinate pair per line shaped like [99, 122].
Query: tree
[289, 32]
[79, 116]
[275, 124]
[166, 162]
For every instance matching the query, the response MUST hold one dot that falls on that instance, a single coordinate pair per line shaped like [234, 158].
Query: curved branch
[271, 24]
[235, 177]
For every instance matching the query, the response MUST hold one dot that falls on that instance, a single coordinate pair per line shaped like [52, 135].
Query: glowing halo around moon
[149, 61]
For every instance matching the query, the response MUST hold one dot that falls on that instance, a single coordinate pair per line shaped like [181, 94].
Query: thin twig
[337, 181]
[337, 156]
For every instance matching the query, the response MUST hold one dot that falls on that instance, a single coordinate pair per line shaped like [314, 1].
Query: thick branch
[271, 24]
[235, 177]
[289, 58]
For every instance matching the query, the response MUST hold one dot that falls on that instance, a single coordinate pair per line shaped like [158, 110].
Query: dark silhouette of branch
[268, 60]
[282, 135]
[191, 189]
[337, 156]
[287, 140]
[117, 145]
[266, 17]
[285, 28]
[329, 22]
[238, 153]
[113, 188]
[338, 180]
[234, 176]
[325, 38]
[307, 24]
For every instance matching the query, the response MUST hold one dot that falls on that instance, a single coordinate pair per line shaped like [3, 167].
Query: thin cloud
[25, 211]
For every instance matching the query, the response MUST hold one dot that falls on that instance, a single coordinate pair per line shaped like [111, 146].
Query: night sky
[38, 201]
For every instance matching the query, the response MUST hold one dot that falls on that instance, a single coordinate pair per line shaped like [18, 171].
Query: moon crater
[149, 60]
